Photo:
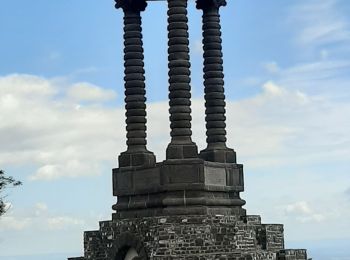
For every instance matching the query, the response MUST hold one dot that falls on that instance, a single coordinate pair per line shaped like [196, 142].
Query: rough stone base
[189, 237]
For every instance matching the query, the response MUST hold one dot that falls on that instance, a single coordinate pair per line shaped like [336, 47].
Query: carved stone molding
[131, 5]
[207, 4]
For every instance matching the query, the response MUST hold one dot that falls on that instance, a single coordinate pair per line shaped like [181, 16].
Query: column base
[225, 155]
[144, 159]
[182, 151]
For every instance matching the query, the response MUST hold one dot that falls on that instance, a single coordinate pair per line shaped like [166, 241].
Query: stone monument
[189, 205]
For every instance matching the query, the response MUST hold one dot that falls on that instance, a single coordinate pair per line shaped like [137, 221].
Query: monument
[189, 205]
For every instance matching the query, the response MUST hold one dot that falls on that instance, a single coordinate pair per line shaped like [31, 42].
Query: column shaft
[214, 84]
[181, 145]
[134, 83]
[135, 93]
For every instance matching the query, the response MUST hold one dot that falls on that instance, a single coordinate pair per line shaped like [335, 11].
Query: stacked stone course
[188, 206]
[192, 237]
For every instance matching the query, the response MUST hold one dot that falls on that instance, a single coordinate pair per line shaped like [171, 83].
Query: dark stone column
[216, 150]
[181, 145]
[137, 153]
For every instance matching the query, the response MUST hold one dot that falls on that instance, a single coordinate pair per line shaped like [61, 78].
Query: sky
[287, 82]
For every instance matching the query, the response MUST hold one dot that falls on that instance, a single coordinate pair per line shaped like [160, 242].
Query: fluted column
[181, 145]
[135, 99]
[216, 150]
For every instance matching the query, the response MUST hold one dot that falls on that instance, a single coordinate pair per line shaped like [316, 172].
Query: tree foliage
[6, 182]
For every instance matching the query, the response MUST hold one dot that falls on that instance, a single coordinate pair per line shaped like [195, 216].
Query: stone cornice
[207, 4]
[131, 5]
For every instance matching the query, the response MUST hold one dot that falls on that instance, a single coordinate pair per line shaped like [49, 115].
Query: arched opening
[131, 254]
[127, 253]
[127, 247]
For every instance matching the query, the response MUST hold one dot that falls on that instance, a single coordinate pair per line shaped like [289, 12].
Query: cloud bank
[41, 125]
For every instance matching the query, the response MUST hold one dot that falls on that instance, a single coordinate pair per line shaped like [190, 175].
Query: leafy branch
[6, 182]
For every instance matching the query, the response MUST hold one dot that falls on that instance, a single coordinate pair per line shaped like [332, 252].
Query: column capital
[207, 4]
[131, 5]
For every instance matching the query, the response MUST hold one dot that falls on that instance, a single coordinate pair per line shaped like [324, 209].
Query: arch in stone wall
[127, 247]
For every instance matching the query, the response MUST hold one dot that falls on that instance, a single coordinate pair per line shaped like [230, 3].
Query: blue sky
[287, 76]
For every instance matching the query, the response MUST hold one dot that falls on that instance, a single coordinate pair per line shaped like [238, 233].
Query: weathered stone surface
[199, 186]
[190, 237]
[172, 175]
[292, 254]
[92, 246]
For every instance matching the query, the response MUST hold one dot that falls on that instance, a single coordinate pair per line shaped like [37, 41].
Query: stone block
[137, 159]
[147, 179]
[252, 219]
[122, 181]
[292, 254]
[186, 183]
[184, 173]
[182, 151]
[215, 176]
[274, 236]
[189, 174]
[219, 155]
[136, 181]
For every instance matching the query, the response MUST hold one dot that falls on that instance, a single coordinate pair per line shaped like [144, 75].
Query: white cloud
[71, 168]
[301, 207]
[41, 229]
[320, 22]
[88, 92]
[328, 79]
[40, 208]
[303, 212]
[271, 67]
[39, 218]
[272, 89]
[13, 223]
[40, 125]
[61, 138]
[19, 86]
[59, 223]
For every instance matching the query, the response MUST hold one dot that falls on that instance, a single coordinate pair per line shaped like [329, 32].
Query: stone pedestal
[206, 237]
[178, 187]
[184, 209]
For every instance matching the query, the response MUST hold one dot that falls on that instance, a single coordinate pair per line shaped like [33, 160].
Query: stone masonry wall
[191, 237]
